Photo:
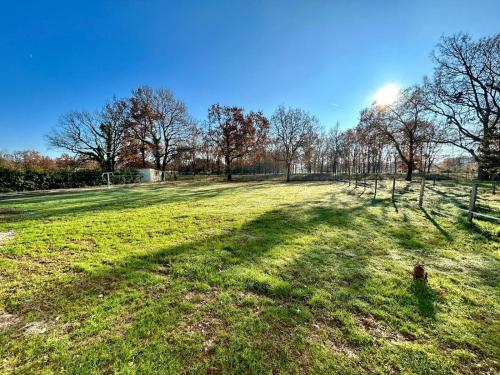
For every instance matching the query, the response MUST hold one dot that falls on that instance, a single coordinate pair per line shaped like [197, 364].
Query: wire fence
[476, 200]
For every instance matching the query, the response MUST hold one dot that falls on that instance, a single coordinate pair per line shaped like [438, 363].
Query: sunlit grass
[247, 278]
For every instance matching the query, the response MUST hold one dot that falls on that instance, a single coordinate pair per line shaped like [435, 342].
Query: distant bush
[20, 180]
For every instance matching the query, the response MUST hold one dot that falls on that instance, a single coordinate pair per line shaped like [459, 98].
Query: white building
[150, 175]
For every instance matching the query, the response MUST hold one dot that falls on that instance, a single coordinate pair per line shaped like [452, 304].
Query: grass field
[258, 277]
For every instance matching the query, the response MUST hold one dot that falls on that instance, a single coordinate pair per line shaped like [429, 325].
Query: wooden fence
[374, 182]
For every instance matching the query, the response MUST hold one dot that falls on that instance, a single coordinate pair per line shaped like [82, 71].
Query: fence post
[393, 187]
[356, 180]
[422, 188]
[472, 203]
[376, 181]
[108, 179]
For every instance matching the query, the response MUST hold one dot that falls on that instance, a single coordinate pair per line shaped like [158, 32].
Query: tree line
[458, 106]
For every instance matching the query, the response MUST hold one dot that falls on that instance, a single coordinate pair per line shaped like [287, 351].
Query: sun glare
[386, 95]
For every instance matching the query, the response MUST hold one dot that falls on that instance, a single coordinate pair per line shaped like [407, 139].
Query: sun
[387, 94]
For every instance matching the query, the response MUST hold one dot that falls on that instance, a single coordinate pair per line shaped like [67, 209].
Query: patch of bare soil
[208, 324]
[200, 299]
[6, 236]
[341, 348]
[380, 331]
[8, 321]
[318, 331]
[35, 328]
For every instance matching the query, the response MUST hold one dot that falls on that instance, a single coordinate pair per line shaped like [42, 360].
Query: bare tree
[161, 123]
[309, 151]
[235, 134]
[404, 124]
[465, 93]
[333, 147]
[429, 149]
[175, 125]
[291, 128]
[194, 146]
[93, 136]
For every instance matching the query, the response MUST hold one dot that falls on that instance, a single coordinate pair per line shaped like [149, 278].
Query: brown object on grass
[419, 272]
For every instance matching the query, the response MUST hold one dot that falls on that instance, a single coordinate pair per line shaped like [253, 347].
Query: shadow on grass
[448, 197]
[455, 199]
[425, 296]
[218, 261]
[118, 199]
[197, 260]
[472, 226]
[436, 224]
[394, 205]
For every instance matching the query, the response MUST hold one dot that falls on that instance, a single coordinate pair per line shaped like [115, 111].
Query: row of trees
[458, 106]
[151, 127]
[34, 160]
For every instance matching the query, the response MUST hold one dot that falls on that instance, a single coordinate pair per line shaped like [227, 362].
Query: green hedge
[17, 180]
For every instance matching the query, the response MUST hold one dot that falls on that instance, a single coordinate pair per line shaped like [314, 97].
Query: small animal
[419, 272]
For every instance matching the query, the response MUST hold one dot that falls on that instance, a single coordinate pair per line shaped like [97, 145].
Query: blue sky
[328, 57]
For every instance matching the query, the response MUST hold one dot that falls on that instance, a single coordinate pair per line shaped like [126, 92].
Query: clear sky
[328, 57]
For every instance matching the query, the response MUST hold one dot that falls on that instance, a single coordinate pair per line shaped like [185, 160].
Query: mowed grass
[253, 278]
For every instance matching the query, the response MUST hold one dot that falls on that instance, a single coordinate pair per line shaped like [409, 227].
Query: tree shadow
[472, 226]
[115, 199]
[425, 296]
[394, 205]
[448, 198]
[454, 198]
[191, 260]
[436, 224]
[217, 261]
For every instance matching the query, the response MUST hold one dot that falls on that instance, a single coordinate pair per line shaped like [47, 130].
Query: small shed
[150, 175]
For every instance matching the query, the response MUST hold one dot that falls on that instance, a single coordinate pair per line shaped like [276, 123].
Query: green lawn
[247, 278]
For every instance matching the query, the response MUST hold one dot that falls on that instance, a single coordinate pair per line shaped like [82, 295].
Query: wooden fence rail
[470, 212]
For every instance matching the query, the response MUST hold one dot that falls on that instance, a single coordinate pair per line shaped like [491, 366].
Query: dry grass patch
[7, 236]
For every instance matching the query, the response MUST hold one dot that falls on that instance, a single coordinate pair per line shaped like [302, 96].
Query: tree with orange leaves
[235, 134]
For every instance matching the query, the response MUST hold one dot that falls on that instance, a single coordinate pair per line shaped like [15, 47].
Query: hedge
[18, 180]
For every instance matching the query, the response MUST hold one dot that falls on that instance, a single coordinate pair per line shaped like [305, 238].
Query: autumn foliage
[236, 134]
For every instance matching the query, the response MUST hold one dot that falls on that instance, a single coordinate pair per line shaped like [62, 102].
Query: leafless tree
[93, 136]
[194, 145]
[310, 151]
[465, 93]
[291, 128]
[404, 123]
[333, 147]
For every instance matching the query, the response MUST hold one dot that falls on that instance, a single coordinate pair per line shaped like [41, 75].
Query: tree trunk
[104, 165]
[409, 173]
[482, 174]
[228, 169]
[288, 172]
[143, 155]
[158, 162]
